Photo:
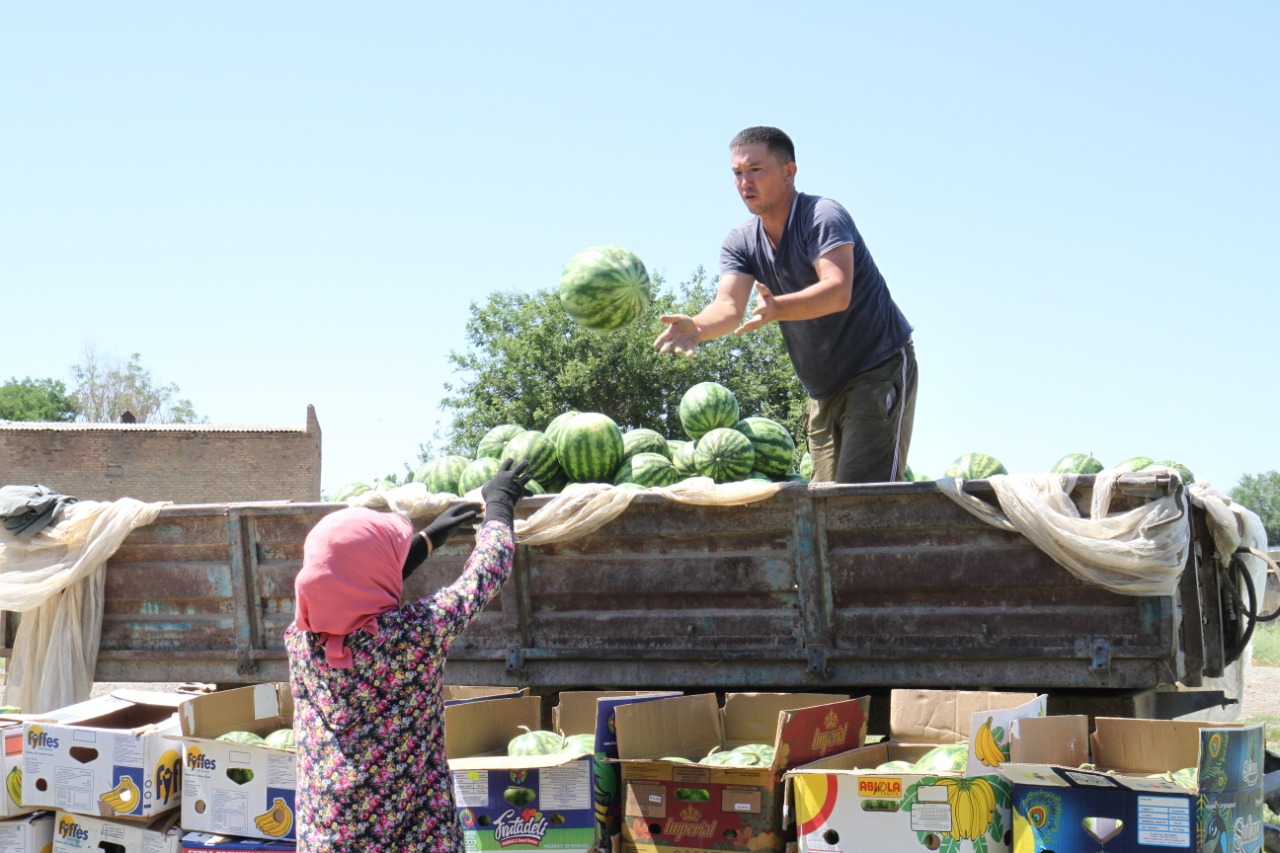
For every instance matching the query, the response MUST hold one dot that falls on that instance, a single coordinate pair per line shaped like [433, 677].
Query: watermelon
[494, 440]
[912, 477]
[605, 287]
[534, 447]
[1076, 463]
[951, 756]
[536, 742]
[477, 473]
[1133, 463]
[441, 475]
[349, 491]
[647, 469]
[975, 466]
[1183, 471]
[724, 455]
[641, 440]
[806, 466]
[683, 460]
[242, 737]
[707, 406]
[630, 487]
[775, 448]
[535, 488]
[674, 444]
[590, 448]
[580, 743]
[280, 739]
[557, 424]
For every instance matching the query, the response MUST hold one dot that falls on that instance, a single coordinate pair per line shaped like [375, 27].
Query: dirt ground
[1262, 693]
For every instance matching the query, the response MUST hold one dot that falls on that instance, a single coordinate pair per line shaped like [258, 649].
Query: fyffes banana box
[75, 832]
[242, 788]
[32, 833]
[11, 769]
[116, 756]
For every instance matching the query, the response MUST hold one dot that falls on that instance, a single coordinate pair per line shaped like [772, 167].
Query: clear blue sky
[281, 204]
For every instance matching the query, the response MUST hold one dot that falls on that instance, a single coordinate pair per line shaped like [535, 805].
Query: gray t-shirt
[827, 351]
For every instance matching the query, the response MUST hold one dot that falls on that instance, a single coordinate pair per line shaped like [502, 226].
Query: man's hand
[681, 335]
[766, 310]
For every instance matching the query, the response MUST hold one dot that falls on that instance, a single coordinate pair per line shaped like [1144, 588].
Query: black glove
[454, 516]
[501, 493]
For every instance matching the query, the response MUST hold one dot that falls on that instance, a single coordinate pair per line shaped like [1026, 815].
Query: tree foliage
[527, 362]
[106, 389]
[1261, 493]
[35, 400]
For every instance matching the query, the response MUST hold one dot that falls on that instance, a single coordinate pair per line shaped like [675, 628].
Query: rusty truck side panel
[833, 587]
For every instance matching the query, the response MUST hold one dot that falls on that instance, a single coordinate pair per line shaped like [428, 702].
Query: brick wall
[183, 463]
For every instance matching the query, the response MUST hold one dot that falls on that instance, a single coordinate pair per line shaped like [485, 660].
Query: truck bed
[818, 587]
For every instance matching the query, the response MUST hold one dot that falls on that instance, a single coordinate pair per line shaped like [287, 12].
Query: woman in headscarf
[366, 672]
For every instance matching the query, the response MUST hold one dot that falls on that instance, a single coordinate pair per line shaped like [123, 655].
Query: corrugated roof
[50, 426]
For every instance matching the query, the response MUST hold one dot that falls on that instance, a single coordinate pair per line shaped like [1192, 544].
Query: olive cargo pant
[861, 433]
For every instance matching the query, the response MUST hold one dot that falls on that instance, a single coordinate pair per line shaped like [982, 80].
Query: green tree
[35, 400]
[106, 389]
[1261, 493]
[528, 361]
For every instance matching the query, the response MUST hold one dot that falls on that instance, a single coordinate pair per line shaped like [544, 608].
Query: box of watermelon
[238, 754]
[517, 785]
[935, 782]
[699, 776]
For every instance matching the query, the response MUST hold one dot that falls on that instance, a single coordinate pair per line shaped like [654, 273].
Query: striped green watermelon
[759, 475]
[242, 737]
[1183, 471]
[280, 739]
[557, 424]
[349, 491]
[975, 466]
[1133, 463]
[724, 455]
[590, 448]
[806, 466]
[605, 287]
[631, 487]
[557, 485]
[494, 440]
[647, 469]
[441, 475]
[534, 447]
[534, 487]
[1076, 463]
[795, 477]
[707, 406]
[912, 477]
[683, 460]
[535, 742]
[674, 444]
[477, 473]
[775, 448]
[641, 440]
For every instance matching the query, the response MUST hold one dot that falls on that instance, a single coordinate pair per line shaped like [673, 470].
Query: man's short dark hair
[775, 141]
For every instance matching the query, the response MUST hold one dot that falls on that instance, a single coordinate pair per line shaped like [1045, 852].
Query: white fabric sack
[56, 647]
[1138, 552]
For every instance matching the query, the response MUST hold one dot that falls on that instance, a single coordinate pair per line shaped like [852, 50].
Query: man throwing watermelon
[812, 274]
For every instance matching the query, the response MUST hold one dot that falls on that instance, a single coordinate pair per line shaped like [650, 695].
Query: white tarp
[55, 580]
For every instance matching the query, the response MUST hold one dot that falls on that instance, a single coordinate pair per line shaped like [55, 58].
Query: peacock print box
[1126, 799]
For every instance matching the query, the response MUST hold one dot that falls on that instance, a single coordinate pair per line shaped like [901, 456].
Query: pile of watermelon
[590, 447]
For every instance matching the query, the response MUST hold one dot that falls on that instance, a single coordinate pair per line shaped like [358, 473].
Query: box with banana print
[242, 787]
[935, 783]
[73, 832]
[11, 768]
[116, 756]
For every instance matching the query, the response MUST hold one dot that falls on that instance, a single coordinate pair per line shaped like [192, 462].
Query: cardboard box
[543, 802]
[594, 713]
[846, 803]
[207, 842]
[247, 790]
[117, 756]
[1117, 806]
[671, 806]
[31, 833]
[11, 732]
[454, 694]
[74, 832]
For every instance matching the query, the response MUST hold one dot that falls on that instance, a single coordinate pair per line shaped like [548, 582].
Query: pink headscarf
[352, 564]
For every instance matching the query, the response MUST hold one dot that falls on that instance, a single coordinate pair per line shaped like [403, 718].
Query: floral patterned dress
[372, 774]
